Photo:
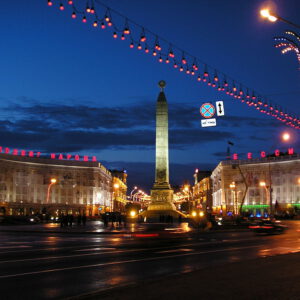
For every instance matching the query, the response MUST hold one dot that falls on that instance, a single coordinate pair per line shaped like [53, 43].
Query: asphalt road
[56, 266]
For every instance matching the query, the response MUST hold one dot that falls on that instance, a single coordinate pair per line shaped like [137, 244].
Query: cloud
[65, 128]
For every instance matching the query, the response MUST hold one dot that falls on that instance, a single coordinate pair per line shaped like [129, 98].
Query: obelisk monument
[161, 193]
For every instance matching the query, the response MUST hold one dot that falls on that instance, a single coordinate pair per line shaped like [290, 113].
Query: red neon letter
[15, 152]
[23, 152]
[291, 151]
[77, 157]
[52, 155]
[31, 153]
[69, 156]
[249, 155]
[263, 154]
[277, 152]
[94, 158]
[235, 156]
[38, 154]
[0, 149]
[6, 150]
[60, 156]
[86, 158]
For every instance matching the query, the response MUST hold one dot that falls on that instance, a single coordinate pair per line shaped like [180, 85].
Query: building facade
[119, 190]
[257, 186]
[34, 185]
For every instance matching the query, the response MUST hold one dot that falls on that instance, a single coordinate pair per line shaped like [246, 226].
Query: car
[267, 227]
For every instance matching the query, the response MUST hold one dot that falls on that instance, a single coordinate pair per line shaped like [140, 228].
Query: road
[52, 266]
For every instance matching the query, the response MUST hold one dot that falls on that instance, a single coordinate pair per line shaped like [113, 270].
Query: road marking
[124, 262]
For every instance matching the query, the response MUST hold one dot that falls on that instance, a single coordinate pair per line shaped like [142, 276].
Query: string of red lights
[101, 16]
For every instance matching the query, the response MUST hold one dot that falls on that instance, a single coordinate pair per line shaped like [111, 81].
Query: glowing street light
[286, 136]
[272, 17]
[262, 184]
[52, 181]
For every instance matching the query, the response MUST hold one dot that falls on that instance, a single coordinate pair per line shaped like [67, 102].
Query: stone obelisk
[161, 193]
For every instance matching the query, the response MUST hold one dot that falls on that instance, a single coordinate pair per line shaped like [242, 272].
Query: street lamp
[134, 189]
[272, 17]
[235, 204]
[268, 192]
[52, 181]
[116, 188]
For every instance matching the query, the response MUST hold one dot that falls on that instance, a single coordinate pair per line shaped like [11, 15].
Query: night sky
[67, 87]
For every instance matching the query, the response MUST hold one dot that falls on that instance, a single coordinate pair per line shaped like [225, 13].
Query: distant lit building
[202, 194]
[31, 185]
[119, 185]
[256, 183]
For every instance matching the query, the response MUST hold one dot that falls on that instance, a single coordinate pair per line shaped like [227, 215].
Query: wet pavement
[58, 265]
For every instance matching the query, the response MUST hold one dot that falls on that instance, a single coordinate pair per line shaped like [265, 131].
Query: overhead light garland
[141, 38]
[289, 44]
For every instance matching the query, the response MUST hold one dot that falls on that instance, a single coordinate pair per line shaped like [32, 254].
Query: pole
[48, 193]
[270, 190]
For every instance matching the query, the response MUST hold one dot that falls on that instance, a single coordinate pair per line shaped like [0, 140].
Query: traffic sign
[220, 108]
[207, 110]
[208, 122]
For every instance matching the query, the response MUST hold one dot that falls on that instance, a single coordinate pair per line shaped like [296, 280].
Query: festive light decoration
[290, 44]
[139, 35]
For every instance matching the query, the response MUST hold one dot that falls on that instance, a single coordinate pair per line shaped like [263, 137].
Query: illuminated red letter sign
[277, 152]
[60, 156]
[23, 152]
[263, 154]
[94, 158]
[15, 152]
[31, 154]
[86, 158]
[0, 149]
[291, 151]
[38, 154]
[249, 155]
[69, 156]
[6, 150]
[52, 155]
[235, 156]
[77, 157]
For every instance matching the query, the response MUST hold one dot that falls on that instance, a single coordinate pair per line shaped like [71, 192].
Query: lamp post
[134, 189]
[268, 192]
[272, 17]
[52, 181]
[235, 199]
[116, 188]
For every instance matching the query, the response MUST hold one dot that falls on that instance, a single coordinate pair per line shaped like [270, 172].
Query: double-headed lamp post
[52, 181]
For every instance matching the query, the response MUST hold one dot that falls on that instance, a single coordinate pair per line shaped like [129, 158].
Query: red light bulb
[73, 15]
[193, 73]
[175, 66]
[122, 37]
[115, 35]
[216, 78]
[143, 39]
[188, 71]
[154, 53]
[160, 59]
[184, 61]
[50, 3]
[61, 7]
[95, 24]
[70, 2]
[167, 60]
[205, 74]
[92, 11]
[171, 54]
[139, 47]
[131, 45]
[102, 25]
[181, 69]
[126, 31]
[199, 78]
[84, 19]
[146, 50]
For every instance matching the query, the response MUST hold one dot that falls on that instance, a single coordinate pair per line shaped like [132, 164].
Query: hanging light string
[290, 44]
[101, 16]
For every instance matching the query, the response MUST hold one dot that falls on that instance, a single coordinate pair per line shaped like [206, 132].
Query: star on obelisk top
[162, 84]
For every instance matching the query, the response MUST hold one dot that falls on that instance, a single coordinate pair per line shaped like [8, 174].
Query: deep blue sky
[68, 87]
